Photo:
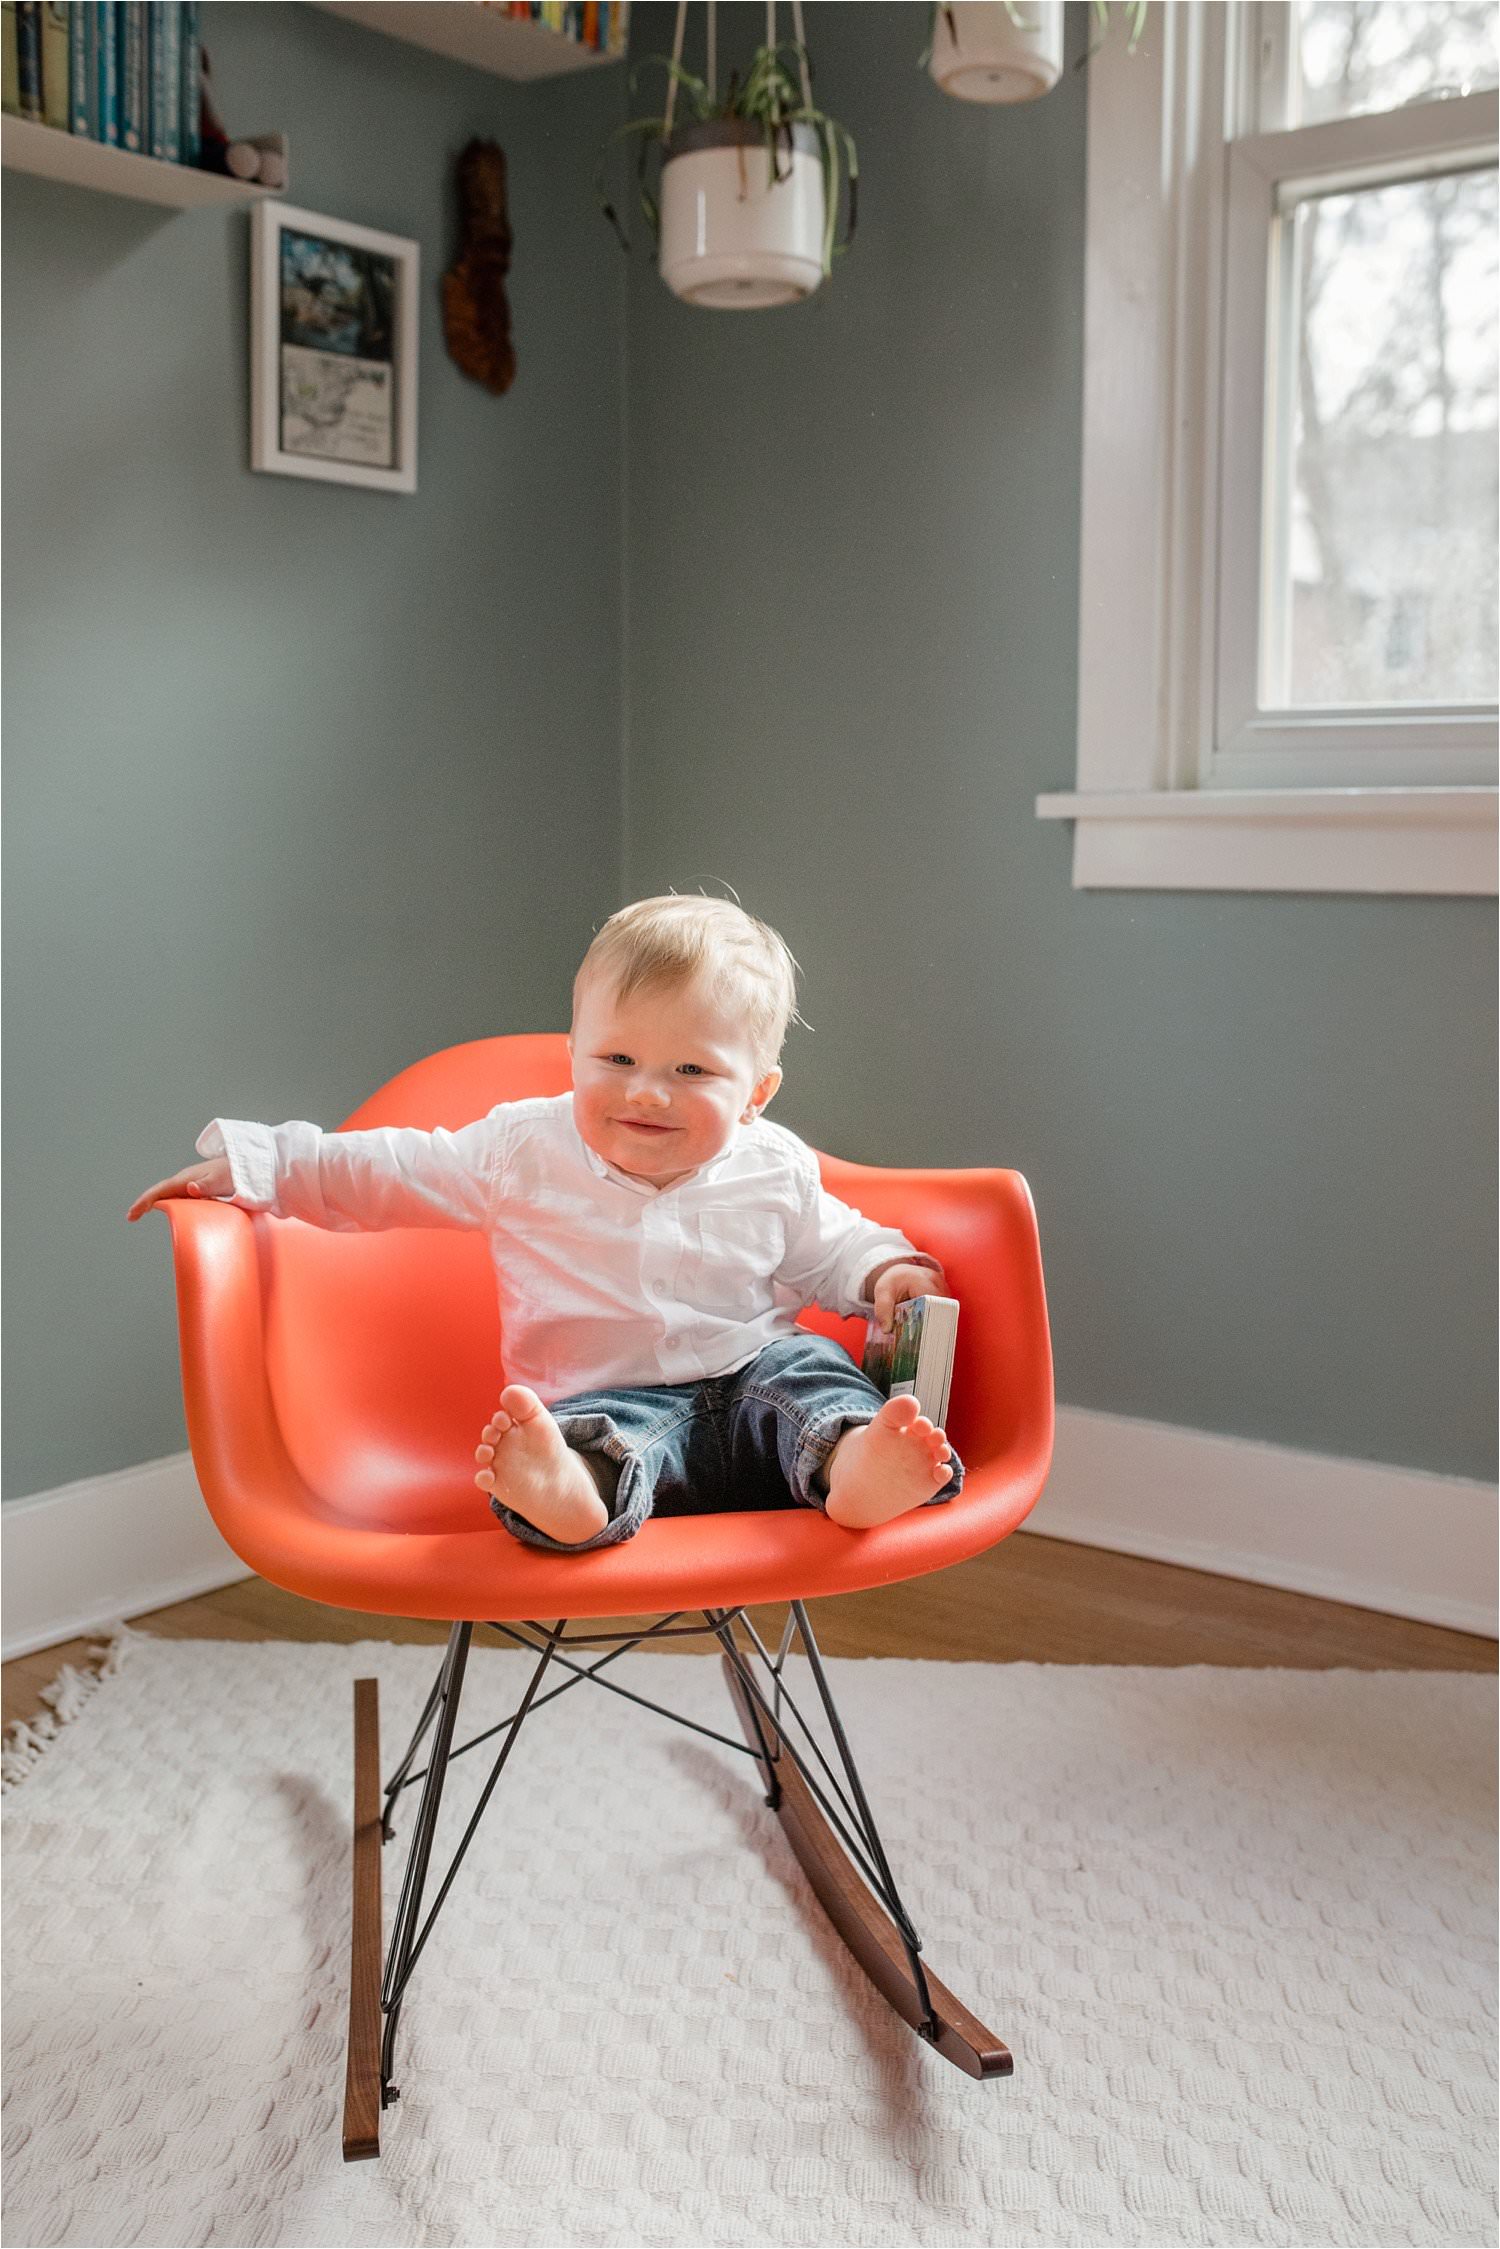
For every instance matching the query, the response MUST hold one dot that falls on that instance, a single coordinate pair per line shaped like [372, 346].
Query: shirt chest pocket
[738, 1251]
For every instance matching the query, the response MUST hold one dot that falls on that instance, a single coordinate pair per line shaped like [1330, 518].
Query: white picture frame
[333, 350]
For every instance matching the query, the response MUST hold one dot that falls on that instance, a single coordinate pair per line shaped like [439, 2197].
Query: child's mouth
[633, 1124]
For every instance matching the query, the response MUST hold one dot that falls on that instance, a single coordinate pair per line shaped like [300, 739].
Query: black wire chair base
[818, 1797]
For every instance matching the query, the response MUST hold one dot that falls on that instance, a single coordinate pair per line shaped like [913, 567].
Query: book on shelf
[916, 1358]
[189, 73]
[29, 59]
[164, 95]
[125, 72]
[10, 79]
[132, 36]
[80, 27]
[602, 26]
[104, 74]
[55, 15]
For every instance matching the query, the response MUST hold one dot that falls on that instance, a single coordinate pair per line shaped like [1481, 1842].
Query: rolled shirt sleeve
[833, 1249]
[357, 1182]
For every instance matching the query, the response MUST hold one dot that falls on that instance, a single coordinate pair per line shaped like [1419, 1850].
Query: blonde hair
[674, 940]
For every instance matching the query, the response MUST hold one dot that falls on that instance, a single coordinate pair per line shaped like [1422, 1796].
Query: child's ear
[763, 1093]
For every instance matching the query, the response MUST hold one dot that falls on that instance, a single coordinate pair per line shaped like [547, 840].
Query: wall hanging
[476, 311]
[747, 211]
[333, 350]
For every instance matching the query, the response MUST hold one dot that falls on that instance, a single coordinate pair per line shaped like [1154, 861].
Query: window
[1288, 646]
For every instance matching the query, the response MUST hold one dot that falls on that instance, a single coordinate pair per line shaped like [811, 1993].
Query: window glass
[1382, 517]
[1353, 56]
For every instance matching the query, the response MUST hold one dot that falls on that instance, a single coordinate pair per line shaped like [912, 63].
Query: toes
[900, 1413]
[520, 1403]
[485, 1480]
[485, 1453]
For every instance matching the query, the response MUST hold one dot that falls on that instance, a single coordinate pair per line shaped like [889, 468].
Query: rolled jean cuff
[815, 1444]
[591, 1432]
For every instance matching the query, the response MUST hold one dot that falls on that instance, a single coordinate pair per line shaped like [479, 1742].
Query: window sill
[1424, 842]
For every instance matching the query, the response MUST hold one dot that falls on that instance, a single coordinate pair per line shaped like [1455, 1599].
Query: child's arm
[349, 1182]
[838, 1258]
[211, 1180]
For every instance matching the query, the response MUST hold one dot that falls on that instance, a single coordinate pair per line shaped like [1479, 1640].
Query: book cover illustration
[916, 1358]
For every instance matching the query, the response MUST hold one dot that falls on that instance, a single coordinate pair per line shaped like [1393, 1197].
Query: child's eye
[695, 1069]
[617, 1058]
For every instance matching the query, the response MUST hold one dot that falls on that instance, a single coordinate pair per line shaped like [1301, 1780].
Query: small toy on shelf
[262, 158]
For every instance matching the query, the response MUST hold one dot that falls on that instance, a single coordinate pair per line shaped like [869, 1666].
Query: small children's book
[916, 1359]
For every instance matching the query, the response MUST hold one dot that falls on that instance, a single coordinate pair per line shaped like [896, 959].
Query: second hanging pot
[988, 51]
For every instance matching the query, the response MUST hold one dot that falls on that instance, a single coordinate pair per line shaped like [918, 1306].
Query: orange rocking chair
[335, 1385]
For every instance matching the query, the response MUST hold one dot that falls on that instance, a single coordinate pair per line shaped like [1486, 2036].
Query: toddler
[654, 1237]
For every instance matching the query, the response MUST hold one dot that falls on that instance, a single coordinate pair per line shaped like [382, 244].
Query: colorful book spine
[104, 73]
[29, 59]
[78, 68]
[55, 65]
[156, 143]
[171, 26]
[161, 78]
[190, 68]
[133, 102]
[10, 60]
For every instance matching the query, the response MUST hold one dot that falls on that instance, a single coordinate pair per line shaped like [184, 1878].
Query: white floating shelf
[465, 31]
[55, 155]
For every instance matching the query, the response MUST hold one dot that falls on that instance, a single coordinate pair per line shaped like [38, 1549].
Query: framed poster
[333, 350]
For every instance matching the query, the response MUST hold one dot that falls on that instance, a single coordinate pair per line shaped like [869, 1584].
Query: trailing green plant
[1134, 12]
[770, 95]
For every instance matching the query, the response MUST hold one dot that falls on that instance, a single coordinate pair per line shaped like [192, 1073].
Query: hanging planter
[1008, 50]
[747, 205]
[739, 232]
[991, 51]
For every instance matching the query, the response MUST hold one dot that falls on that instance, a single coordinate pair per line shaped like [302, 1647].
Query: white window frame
[1180, 783]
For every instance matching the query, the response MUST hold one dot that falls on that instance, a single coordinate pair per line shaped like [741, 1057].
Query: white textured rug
[1235, 1925]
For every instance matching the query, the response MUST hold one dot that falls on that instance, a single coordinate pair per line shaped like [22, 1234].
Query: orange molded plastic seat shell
[336, 1384]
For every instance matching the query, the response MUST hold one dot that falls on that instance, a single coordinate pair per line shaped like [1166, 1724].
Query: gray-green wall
[303, 781]
[1259, 1129]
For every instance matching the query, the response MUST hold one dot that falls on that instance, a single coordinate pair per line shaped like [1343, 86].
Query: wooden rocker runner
[309, 1355]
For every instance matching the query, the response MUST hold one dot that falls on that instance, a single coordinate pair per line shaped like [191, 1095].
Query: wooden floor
[1028, 1600]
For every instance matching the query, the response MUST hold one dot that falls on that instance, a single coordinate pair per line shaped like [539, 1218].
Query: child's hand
[894, 1284]
[211, 1178]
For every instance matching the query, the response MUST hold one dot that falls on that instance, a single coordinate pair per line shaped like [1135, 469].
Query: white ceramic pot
[994, 58]
[732, 237]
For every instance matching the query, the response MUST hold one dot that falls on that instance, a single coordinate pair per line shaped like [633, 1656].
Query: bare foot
[888, 1467]
[529, 1465]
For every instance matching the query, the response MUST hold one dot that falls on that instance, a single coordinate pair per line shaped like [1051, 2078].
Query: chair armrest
[237, 1446]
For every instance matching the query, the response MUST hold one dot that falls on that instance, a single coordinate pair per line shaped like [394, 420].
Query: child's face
[661, 1080]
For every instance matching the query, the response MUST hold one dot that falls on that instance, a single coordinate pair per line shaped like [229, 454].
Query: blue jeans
[734, 1444]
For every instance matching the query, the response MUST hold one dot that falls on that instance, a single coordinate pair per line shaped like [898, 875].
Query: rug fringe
[28, 1739]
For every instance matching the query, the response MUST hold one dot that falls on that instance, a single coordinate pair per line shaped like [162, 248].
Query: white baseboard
[1399, 1540]
[105, 1549]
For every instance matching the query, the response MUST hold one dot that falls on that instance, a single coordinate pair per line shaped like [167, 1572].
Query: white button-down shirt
[605, 1281]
